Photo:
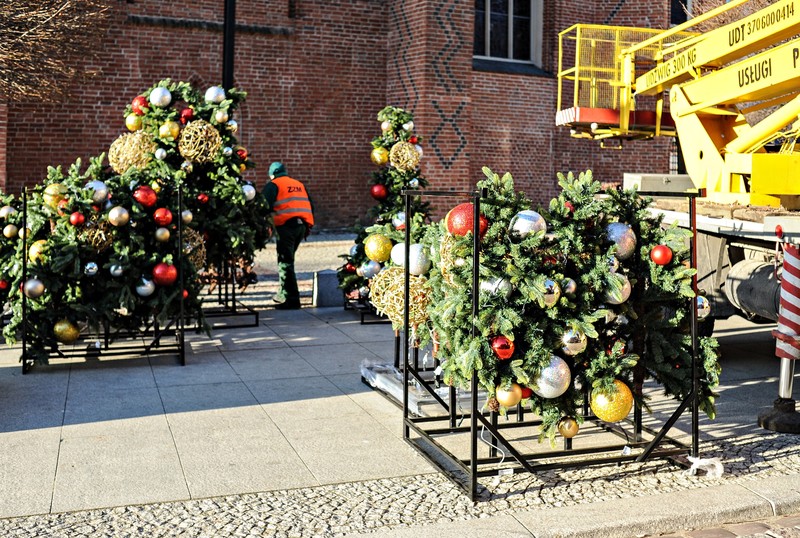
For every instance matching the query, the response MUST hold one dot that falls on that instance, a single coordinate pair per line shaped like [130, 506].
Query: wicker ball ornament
[194, 249]
[388, 296]
[404, 156]
[98, 236]
[131, 150]
[200, 142]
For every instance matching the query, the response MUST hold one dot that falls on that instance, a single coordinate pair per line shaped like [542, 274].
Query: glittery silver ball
[370, 269]
[703, 308]
[622, 235]
[552, 293]
[619, 297]
[525, 223]
[116, 270]
[215, 95]
[249, 192]
[227, 151]
[160, 97]
[100, 189]
[160, 154]
[418, 260]
[569, 286]
[553, 380]
[574, 341]
[232, 126]
[145, 287]
[363, 292]
[497, 286]
[90, 269]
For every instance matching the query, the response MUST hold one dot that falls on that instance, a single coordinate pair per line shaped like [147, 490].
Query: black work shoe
[288, 305]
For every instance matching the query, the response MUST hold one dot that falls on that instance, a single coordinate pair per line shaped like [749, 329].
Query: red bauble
[162, 216]
[77, 219]
[145, 195]
[379, 192]
[527, 392]
[139, 105]
[569, 206]
[185, 294]
[413, 140]
[502, 347]
[202, 198]
[4, 284]
[459, 220]
[350, 268]
[164, 274]
[62, 206]
[186, 115]
[661, 254]
[241, 153]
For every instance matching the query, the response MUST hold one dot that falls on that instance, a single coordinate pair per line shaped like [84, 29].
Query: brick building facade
[316, 74]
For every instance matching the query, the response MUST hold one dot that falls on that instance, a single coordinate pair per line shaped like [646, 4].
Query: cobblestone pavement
[375, 505]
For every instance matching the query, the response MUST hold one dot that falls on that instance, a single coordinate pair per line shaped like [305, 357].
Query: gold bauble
[200, 142]
[36, 251]
[10, 231]
[131, 150]
[24, 232]
[379, 156]
[118, 216]
[378, 247]
[54, 193]
[162, 235]
[568, 427]
[169, 129]
[133, 122]
[65, 331]
[614, 406]
[404, 156]
[6, 211]
[509, 397]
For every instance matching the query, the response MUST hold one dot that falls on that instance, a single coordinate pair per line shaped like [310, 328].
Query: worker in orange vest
[293, 216]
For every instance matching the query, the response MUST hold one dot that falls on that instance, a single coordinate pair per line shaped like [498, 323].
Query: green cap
[277, 169]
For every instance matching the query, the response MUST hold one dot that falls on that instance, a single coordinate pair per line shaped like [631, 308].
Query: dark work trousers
[289, 235]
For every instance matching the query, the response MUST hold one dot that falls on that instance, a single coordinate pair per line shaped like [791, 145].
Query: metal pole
[693, 311]
[406, 314]
[228, 38]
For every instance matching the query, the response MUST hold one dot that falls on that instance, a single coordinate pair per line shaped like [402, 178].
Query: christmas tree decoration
[187, 167]
[145, 287]
[419, 262]
[363, 292]
[399, 221]
[621, 292]
[370, 269]
[160, 154]
[145, 195]
[6, 211]
[623, 237]
[131, 150]
[249, 192]
[568, 427]
[661, 254]
[703, 308]
[552, 293]
[379, 156]
[133, 122]
[398, 254]
[185, 115]
[162, 235]
[612, 405]
[379, 192]
[497, 286]
[408, 126]
[36, 251]
[221, 116]
[215, 95]
[202, 198]
[386, 126]
[241, 153]
[200, 142]
[503, 347]
[99, 191]
[139, 105]
[33, 288]
[90, 269]
[77, 218]
[378, 247]
[227, 151]
[574, 341]
[169, 129]
[613, 264]
[164, 274]
[526, 393]
[10, 231]
[459, 220]
[524, 223]
[232, 126]
[116, 270]
[53, 194]
[569, 286]
[66, 332]
[387, 294]
[118, 216]
[553, 380]
[186, 216]
[509, 397]
[350, 268]
[160, 97]
[162, 216]
[404, 156]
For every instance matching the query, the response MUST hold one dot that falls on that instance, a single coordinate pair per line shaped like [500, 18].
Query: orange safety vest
[292, 201]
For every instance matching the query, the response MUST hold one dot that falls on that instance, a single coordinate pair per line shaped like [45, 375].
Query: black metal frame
[365, 308]
[121, 342]
[464, 472]
[228, 305]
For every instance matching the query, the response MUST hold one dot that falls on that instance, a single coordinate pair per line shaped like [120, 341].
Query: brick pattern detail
[316, 74]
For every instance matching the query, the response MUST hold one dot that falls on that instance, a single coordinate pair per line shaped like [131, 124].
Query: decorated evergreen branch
[397, 151]
[570, 302]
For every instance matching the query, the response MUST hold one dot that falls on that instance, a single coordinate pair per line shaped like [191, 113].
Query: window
[678, 11]
[508, 30]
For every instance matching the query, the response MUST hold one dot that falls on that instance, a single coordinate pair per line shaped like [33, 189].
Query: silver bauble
[232, 126]
[227, 151]
[613, 264]
[623, 236]
[574, 341]
[569, 286]
[398, 254]
[703, 308]
[419, 150]
[354, 251]
[162, 234]
[118, 216]
[100, 189]
[90, 269]
[116, 270]
[33, 288]
[160, 97]
[622, 295]
[145, 287]
[160, 154]
[221, 116]
[497, 286]
[525, 223]
[249, 192]
[418, 260]
[186, 216]
[215, 95]
[363, 292]
[408, 126]
[399, 220]
[552, 293]
[414, 183]
[386, 126]
[371, 268]
[553, 380]
[360, 270]
[6, 211]
[187, 167]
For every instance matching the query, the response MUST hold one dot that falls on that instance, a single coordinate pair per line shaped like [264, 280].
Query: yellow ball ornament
[162, 235]
[379, 156]
[54, 193]
[10, 231]
[378, 247]
[169, 129]
[65, 331]
[36, 250]
[614, 406]
[568, 427]
[509, 397]
[133, 122]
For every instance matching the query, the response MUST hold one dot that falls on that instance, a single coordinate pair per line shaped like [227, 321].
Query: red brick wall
[316, 82]
[3, 142]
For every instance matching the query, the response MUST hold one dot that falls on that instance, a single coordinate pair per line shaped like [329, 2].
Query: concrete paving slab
[333, 359]
[261, 364]
[212, 397]
[32, 401]
[91, 412]
[310, 332]
[505, 526]
[111, 375]
[117, 470]
[290, 401]
[248, 338]
[783, 492]
[28, 462]
[205, 368]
